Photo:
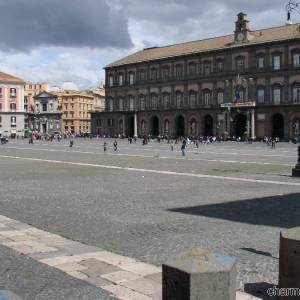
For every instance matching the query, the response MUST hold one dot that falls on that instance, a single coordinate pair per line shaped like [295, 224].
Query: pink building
[12, 112]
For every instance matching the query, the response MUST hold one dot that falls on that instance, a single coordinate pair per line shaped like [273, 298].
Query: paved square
[148, 203]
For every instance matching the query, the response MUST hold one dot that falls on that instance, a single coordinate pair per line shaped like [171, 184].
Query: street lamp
[296, 170]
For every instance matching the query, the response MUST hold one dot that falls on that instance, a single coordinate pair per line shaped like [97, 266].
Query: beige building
[99, 98]
[30, 91]
[76, 110]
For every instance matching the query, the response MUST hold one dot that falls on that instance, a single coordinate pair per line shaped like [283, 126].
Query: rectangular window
[220, 65]
[0, 105]
[296, 94]
[13, 106]
[261, 96]
[207, 68]
[13, 92]
[111, 80]
[13, 121]
[111, 105]
[192, 69]
[44, 107]
[240, 64]
[166, 72]
[296, 60]
[277, 95]
[220, 97]
[142, 75]
[207, 97]
[178, 71]
[260, 62]
[153, 74]
[121, 106]
[276, 62]
[120, 79]
[131, 78]
[131, 103]
[143, 102]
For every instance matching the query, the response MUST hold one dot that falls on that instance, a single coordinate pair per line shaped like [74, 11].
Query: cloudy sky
[72, 40]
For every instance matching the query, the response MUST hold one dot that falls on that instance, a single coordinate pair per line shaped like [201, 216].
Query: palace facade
[245, 84]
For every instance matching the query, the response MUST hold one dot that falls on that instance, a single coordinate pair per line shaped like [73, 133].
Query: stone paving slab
[123, 277]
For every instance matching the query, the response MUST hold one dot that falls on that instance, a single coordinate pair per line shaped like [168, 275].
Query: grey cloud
[177, 20]
[27, 24]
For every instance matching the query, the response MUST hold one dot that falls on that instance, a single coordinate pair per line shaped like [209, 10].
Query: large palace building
[246, 84]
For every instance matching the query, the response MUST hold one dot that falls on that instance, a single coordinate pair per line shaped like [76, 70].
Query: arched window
[193, 125]
[166, 127]
[179, 99]
[154, 101]
[277, 94]
[143, 126]
[296, 93]
[166, 100]
[193, 98]
[121, 104]
[207, 97]
[261, 94]
[121, 126]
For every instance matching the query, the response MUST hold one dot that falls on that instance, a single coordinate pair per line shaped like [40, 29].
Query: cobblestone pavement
[151, 215]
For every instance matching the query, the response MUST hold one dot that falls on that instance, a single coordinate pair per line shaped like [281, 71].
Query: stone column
[248, 124]
[253, 124]
[135, 125]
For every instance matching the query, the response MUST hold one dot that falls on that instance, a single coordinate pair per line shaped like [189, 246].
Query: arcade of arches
[239, 123]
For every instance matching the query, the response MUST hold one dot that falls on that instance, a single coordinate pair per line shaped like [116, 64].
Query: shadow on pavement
[259, 289]
[278, 211]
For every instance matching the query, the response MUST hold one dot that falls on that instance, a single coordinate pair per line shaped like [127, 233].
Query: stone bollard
[289, 259]
[199, 274]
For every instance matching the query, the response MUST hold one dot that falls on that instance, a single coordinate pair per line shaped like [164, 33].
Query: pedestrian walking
[183, 147]
[105, 147]
[115, 145]
[172, 146]
[273, 143]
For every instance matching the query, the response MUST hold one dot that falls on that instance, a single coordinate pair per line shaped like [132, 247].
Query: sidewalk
[122, 277]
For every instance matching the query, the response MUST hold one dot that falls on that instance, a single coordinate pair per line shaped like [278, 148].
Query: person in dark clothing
[115, 145]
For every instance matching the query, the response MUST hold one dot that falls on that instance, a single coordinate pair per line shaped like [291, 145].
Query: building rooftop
[4, 77]
[262, 36]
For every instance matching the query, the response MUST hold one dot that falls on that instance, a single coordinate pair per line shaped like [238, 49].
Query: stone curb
[123, 277]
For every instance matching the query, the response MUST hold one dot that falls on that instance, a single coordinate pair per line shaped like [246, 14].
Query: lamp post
[296, 170]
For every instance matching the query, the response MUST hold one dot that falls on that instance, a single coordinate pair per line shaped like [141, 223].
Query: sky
[59, 41]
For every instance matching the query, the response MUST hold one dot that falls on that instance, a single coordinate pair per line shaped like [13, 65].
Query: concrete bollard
[199, 274]
[289, 259]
